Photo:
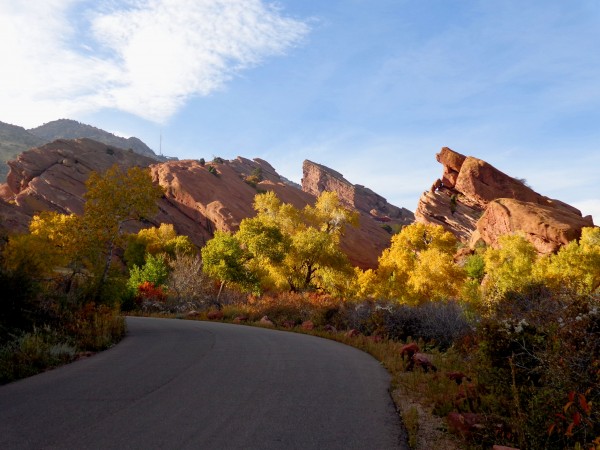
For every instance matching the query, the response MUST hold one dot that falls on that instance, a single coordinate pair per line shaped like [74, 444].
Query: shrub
[155, 271]
[536, 348]
[188, 287]
[439, 323]
[19, 305]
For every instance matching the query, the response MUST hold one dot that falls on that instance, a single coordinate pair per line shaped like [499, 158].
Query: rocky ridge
[52, 178]
[200, 197]
[15, 140]
[71, 129]
[476, 201]
[318, 178]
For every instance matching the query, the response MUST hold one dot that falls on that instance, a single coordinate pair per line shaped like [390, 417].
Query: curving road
[199, 385]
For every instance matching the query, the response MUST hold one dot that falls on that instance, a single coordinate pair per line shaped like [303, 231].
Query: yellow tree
[575, 266]
[419, 265]
[54, 241]
[295, 249]
[155, 240]
[509, 267]
[111, 200]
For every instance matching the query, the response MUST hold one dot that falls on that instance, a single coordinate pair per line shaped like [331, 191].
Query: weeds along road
[201, 385]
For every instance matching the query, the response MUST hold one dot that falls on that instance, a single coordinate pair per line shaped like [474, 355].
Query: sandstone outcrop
[476, 201]
[200, 197]
[546, 227]
[198, 202]
[317, 178]
[52, 177]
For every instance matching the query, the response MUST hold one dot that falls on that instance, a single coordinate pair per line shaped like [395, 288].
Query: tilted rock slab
[52, 178]
[318, 178]
[474, 200]
[197, 202]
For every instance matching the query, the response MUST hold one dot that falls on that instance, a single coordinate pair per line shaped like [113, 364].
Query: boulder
[464, 424]
[477, 202]
[330, 328]
[215, 315]
[409, 350]
[421, 360]
[308, 325]
[546, 227]
[266, 322]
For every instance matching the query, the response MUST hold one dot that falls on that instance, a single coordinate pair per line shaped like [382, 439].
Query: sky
[371, 88]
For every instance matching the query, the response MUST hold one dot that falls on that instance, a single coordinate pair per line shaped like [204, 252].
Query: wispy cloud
[145, 57]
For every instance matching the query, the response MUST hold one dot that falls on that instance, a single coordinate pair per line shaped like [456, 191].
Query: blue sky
[370, 88]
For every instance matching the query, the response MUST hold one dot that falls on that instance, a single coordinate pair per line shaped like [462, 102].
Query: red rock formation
[52, 177]
[474, 200]
[318, 178]
[546, 227]
[196, 201]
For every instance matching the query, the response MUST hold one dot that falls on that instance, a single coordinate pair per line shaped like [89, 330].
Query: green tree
[288, 248]
[155, 270]
[224, 259]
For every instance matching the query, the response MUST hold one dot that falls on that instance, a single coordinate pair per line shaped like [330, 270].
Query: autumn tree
[508, 268]
[284, 247]
[419, 265]
[156, 240]
[224, 259]
[112, 199]
[575, 266]
[53, 248]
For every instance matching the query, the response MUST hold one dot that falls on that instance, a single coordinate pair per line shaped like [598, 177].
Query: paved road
[198, 385]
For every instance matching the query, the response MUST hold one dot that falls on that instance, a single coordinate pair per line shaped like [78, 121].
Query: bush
[439, 323]
[19, 306]
[538, 348]
[188, 287]
[31, 353]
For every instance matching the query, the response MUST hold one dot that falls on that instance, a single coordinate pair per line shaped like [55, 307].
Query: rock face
[198, 202]
[318, 178]
[52, 177]
[546, 227]
[474, 200]
[199, 198]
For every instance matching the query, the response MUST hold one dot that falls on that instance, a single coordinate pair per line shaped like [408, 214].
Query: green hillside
[13, 141]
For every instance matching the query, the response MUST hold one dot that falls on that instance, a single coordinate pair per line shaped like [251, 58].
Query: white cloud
[148, 56]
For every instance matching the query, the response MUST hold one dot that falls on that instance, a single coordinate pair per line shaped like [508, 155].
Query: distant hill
[71, 129]
[14, 140]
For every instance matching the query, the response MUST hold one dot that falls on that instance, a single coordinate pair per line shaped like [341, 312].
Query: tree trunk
[108, 262]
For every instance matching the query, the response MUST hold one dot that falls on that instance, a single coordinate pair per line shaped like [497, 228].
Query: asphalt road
[199, 385]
